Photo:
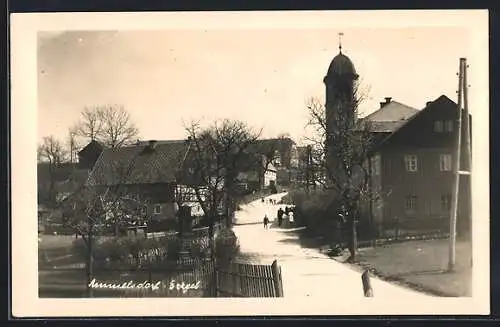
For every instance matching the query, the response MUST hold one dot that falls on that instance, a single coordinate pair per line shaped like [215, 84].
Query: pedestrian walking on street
[263, 200]
[339, 224]
[280, 217]
[290, 217]
[266, 221]
[285, 218]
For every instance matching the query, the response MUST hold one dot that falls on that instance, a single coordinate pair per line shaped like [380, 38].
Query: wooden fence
[197, 232]
[244, 280]
[202, 280]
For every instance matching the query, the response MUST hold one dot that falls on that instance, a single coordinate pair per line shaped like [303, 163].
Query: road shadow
[245, 224]
[304, 242]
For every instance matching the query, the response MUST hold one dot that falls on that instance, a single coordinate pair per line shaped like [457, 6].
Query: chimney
[387, 101]
[428, 103]
[152, 144]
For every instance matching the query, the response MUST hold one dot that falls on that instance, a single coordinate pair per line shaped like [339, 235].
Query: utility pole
[467, 132]
[468, 157]
[456, 173]
[462, 86]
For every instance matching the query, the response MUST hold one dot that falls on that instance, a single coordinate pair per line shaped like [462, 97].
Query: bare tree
[340, 150]
[218, 156]
[53, 153]
[118, 130]
[96, 207]
[72, 144]
[111, 125]
[90, 125]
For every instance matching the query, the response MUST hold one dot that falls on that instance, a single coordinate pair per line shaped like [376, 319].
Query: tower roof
[341, 65]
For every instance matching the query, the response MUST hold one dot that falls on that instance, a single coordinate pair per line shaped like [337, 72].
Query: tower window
[157, 209]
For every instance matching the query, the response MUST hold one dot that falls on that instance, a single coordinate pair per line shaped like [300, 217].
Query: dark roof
[92, 146]
[341, 65]
[265, 146]
[158, 142]
[390, 117]
[140, 164]
[441, 101]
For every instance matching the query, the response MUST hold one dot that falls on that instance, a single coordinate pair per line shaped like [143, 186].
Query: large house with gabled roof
[150, 171]
[412, 165]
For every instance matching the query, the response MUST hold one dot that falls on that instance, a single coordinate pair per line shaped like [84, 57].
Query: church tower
[339, 81]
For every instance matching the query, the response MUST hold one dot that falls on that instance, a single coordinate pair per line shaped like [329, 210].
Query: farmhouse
[152, 172]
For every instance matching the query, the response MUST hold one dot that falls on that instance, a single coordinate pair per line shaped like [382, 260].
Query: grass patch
[422, 265]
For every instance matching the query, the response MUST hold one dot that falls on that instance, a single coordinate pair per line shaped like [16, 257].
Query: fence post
[216, 278]
[367, 287]
[278, 282]
[234, 276]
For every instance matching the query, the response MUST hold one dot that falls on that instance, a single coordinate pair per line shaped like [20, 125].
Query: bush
[226, 246]
[122, 249]
[59, 229]
[314, 209]
[273, 189]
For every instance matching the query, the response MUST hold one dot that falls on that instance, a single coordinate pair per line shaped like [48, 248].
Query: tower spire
[340, 41]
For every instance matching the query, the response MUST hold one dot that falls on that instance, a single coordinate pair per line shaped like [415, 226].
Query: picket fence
[208, 280]
[205, 279]
[245, 280]
[197, 232]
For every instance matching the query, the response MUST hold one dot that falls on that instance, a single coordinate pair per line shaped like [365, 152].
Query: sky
[166, 78]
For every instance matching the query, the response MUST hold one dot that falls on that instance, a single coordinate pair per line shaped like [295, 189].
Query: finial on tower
[340, 41]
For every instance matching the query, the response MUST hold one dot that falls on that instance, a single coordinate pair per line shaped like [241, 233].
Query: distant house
[308, 173]
[55, 184]
[282, 154]
[412, 164]
[150, 170]
[88, 156]
[259, 176]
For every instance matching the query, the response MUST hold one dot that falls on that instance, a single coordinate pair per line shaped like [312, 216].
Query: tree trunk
[353, 239]
[90, 265]
[211, 235]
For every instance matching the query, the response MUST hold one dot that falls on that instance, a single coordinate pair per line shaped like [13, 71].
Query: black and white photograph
[305, 162]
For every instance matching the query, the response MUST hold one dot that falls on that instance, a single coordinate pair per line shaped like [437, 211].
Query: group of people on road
[286, 214]
[271, 201]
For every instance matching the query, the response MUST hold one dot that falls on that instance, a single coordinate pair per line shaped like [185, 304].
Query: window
[448, 126]
[157, 209]
[143, 211]
[411, 163]
[277, 158]
[445, 162]
[375, 163]
[445, 202]
[411, 202]
[438, 126]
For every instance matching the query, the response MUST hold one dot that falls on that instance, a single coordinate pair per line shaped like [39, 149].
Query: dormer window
[441, 126]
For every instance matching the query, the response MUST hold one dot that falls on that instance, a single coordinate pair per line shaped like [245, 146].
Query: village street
[305, 272]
